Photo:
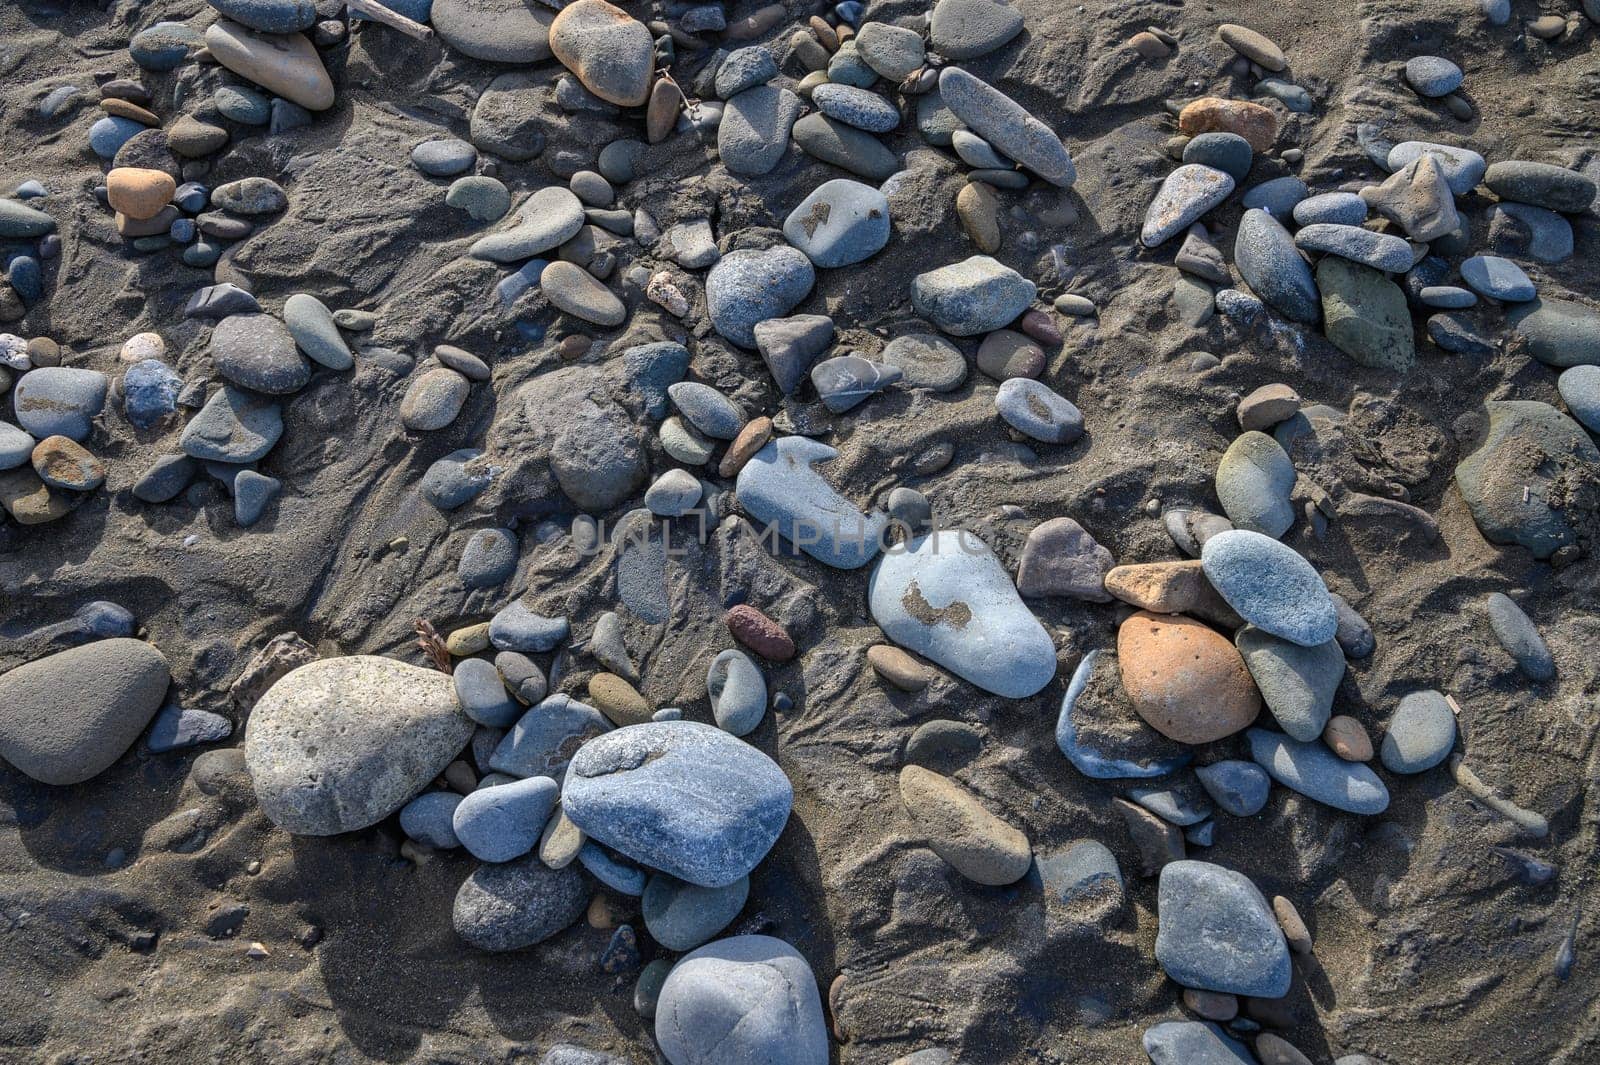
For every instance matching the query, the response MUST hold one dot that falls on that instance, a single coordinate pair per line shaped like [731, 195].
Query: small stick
[1531, 823]
[378, 13]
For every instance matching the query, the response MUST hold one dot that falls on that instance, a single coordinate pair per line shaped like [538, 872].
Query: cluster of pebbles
[527, 747]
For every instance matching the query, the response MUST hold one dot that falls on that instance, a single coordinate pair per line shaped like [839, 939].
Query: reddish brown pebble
[1212, 1005]
[575, 346]
[760, 633]
[131, 111]
[1211, 114]
[752, 438]
[1346, 737]
[1040, 326]
[825, 34]
[1294, 929]
[835, 990]
[1149, 45]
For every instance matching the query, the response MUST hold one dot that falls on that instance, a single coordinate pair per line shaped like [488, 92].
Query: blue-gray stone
[1498, 279]
[746, 287]
[445, 157]
[1217, 933]
[976, 295]
[1519, 636]
[1006, 125]
[511, 905]
[16, 446]
[1278, 197]
[489, 559]
[1432, 75]
[653, 368]
[1297, 683]
[220, 301]
[1447, 297]
[1193, 1043]
[1271, 586]
[1202, 835]
[946, 597]
[679, 796]
[779, 488]
[241, 104]
[150, 392]
[1381, 251]
[192, 197]
[255, 351]
[1317, 773]
[1331, 208]
[1267, 259]
[847, 67]
[754, 131]
[166, 477]
[1558, 332]
[504, 822]
[1530, 232]
[1172, 805]
[544, 221]
[1254, 480]
[567, 1053]
[252, 492]
[1035, 409]
[1580, 391]
[1463, 168]
[1519, 502]
[856, 107]
[841, 223]
[708, 410]
[1096, 685]
[1227, 152]
[27, 278]
[517, 628]
[520, 281]
[738, 694]
[1541, 184]
[682, 916]
[973, 149]
[59, 401]
[18, 221]
[456, 479]
[176, 727]
[1459, 334]
[429, 819]
[483, 696]
[543, 741]
[415, 10]
[1240, 788]
[1085, 871]
[1420, 734]
[967, 29]
[522, 675]
[847, 381]
[745, 68]
[269, 16]
[55, 102]
[742, 1001]
[611, 870]
[160, 47]
[1296, 98]
[315, 333]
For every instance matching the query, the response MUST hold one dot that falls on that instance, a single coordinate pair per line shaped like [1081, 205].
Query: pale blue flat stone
[779, 487]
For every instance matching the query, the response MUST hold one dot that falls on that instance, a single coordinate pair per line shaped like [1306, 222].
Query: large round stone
[1185, 679]
[511, 905]
[609, 50]
[342, 743]
[1218, 934]
[255, 351]
[742, 1001]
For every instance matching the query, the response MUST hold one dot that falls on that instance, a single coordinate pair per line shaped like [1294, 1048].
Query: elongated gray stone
[1317, 773]
[1007, 126]
[780, 488]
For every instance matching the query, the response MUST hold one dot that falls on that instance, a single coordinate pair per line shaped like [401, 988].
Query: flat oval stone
[1497, 278]
[1193, 1043]
[977, 844]
[1580, 391]
[1187, 193]
[256, 351]
[847, 381]
[427, 819]
[738, 692]
[844, 146]
[1271, 586]
[1006, 125]
[610, 51]
[708, 410]
[1256, 47]
[1267, 259]
[66, 717]
[977, 295]
[1331, 208]
[1420, 734]
[747, 287]
[1240, 788]
[1033, 408]
[444, 157]
[926, 360]
[1365, 315]
[967, 29]
[1558, 332]
[740, 1001]
[1381, 251]
[754, 131]
[1254, 480]
[1217, 933]
[62, 462]
[59, 401]
[572, 289]
[234, 426]
[779, 487]
[679, 796]
[483, 695]
[1297, 683]
[269, 16]
[311, 324]
[340, 744]
[500, 31]
[546, 220]
[1317, 773]
[682, 916]
[504, 822]
[433, 400]
[1184, 678]
[1541, 184]
[1515, 503]
[856, 107]
[946, 597]
[285, 64]
[511, 905]
[544, 740]
[1254, 122]
[841, 223]
[1432, 75]
[485, 199]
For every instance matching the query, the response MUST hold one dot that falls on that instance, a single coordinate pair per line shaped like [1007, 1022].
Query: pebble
[1541, 184]
[106, 138]
[946, 597]
[284, 64]
[749, 998]
[1217, 933]
[754, 131]
[1193, 1043]
[682, 797]
[1210, 114]
[790, 345]
[745, 68]
[1227, 152]
[1254, 481]
[847, 381]
[681, 916]
[1297, 683]
[1420, 734]
[1271, 586]
[780, 487]
[500, 31]
[895, 52]
[1333, 209]
[708, 410]
[1530, 232]
[66, 717]
[444, 157]
[310, 323]
[1267, 259]
[456, 479]
[977, 844]
[234, 426]
[546, 220]
[1184, 679]
[1381, 251]
[433, 400]
[489, 559]
[1365, 315]
[503, 823]
[427, 819]
[673, 494]
[1240, 788]
[1256, 47]
[751, 439]
[16, 446]
[1517, 504]
[250, 196]
[746, 287]
[1187, 193]
[139, 193]
[841, 223]
[1278, 197]
[1346, 737]
[244, 106]
[926, 360]
[162, 46]
[759, 633]
[483, 695]
[856, 107]
[510, 905]
[341, 743]
[517, 628]
[607, 49]
[577, 292]
[1497, 279]
[1558, 332]
[1317, 773]
[1267, 406]
[844, 146]
[967, 29]
[59, 401]
[543, 741]
[1060, 558]
[979, 210]
[1418, 198]
[1580, 391]
[738, 692]
[977, 295]
[484, 199]
[1005, 124]
[64, 463]
[1432, 76]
